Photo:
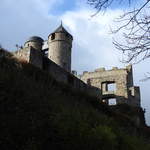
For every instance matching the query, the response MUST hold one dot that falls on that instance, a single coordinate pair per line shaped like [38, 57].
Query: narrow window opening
[112, 101]
[111, 86]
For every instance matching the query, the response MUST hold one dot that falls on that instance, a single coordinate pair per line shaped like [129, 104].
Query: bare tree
[135, 27]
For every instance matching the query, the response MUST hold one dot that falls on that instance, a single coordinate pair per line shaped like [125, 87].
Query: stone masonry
[60, 45]
[115, 84]
[54, 56]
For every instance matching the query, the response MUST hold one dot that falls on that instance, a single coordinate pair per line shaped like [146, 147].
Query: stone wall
[60, 45]
[23, 54]
[31, 55]
[35, 45]
[98, 83]
[37, 58]
[63, 76]
[115, 84]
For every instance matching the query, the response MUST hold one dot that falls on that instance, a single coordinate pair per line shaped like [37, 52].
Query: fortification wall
[23, 54]
[120, 79]
[63, 76]
[93, 83]
[37, 58]
[30, 55]
[100, 78]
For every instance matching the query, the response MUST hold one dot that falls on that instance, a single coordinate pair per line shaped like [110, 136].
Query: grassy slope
[38, 113]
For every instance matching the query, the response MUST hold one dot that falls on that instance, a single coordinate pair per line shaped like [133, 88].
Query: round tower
[60, 45]
[35, 42]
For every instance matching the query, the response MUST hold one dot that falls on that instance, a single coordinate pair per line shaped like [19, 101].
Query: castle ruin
[116, 85]
[54, 55]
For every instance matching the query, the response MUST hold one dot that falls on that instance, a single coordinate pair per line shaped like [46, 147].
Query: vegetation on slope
[38, 113]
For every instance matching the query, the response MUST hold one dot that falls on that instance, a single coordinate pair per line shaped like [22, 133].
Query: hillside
[38, 113]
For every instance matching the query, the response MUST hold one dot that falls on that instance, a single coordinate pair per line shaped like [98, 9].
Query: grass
[37, 113]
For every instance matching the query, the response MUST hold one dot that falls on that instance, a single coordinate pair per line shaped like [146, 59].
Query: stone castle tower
[35, 42]
[59, 47]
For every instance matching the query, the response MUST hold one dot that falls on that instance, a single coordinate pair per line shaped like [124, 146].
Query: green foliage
[37, 113]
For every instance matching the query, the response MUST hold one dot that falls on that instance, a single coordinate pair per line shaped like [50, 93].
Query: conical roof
[61, 29]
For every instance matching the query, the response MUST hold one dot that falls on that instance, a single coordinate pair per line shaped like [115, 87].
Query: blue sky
[64, 6]
[67, 5]
[21, 19]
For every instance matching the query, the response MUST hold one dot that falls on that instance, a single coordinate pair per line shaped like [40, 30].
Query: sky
[92, 45]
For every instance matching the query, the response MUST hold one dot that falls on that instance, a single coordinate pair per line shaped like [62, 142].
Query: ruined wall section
[121, 79]
[100, 78]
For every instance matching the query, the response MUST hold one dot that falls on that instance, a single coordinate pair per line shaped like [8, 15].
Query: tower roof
[35, 39]
[61, 29]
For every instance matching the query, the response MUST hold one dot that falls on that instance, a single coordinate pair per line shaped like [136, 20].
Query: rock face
[116, 85]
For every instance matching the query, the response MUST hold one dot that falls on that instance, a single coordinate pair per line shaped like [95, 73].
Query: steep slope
[36, 112]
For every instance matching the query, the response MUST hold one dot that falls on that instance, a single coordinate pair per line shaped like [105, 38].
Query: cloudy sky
[92, 46]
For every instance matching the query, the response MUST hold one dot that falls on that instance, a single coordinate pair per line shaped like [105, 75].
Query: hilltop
[37, 112]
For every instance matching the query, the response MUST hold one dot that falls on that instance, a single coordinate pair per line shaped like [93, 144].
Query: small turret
[35, 42]
[60, 45]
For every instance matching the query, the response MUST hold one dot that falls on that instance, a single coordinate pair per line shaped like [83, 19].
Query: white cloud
[21, 19]
[91, 38]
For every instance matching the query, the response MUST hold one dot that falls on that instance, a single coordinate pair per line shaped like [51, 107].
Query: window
[108, 86]
[112, 101]
[53, 36]
[111, 86]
